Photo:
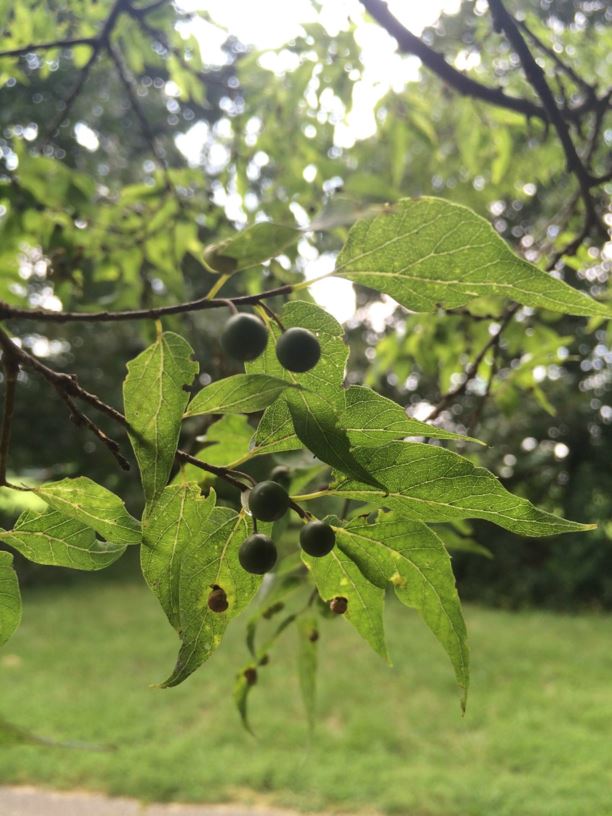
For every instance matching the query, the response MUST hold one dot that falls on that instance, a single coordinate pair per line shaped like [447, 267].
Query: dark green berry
[298, 350]
[257, 554]
[268, 501]
[244, 337]
[250, 675]
[317, 539]
[281, 475]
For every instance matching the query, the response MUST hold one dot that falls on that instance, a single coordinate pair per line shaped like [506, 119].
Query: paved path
[27, 801]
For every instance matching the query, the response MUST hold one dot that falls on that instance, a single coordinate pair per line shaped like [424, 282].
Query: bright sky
[269, 24]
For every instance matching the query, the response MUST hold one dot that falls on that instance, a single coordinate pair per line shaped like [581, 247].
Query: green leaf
[316, 424]
[227, 440]
[242, 689]
[10, 598]
[308, 635]
[337, 575]
[155, 396]
[429, 483]
[456, 542]
[227, 443]
[328, 373]
[211, 561]
[93, 505]
[174, 521]
[427, 252]
[57, 540]
[250, 247]
[412, 558]
[370, 419]
[275, 432]
[240, 394]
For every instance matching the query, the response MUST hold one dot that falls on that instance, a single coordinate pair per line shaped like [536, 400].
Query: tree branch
[567, 69]
[7, 311]
[47, 46]
[535, 76]
[410, 44]
[128, 83]
[68, 388]
[97, 44]
[472, 369]
[11, 370]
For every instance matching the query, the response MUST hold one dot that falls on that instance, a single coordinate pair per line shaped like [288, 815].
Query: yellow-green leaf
[428, 252]
[155, 396]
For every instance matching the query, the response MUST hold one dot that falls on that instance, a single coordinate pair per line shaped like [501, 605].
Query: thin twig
[221, 472]
[128, 83]
[273, 316]
[567, 69]
[67, 382]
[68, 388]
[472, 368]
[82, 420]
[47, 46]
[7, 311]
[473, 423]
[67, 385]
[98, 43]
[11, 370]
[535, 76]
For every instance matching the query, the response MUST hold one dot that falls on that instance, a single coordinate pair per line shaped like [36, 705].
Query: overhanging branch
[409, 43]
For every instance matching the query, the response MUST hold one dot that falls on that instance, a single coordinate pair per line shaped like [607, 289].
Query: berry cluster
[245, 337]
[269, 501]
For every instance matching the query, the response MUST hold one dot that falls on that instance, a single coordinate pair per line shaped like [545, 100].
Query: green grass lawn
[536, 741]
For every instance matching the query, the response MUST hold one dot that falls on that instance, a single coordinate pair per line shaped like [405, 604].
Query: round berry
[268, 501]
[244, 337]
[281, 475]
[257, 554]
[298, 350]
[317, 538]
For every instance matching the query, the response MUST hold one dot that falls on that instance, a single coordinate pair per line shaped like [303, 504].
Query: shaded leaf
[316, 424]
[94, 506]
[275, 432]
[308, 635]
[174, 521]
[428, 252]
[240, 394]
[57, 540]
[155, 397]
[227, 440]
[250, 247]
[242, 690]
[452, 540]
[10, 598]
